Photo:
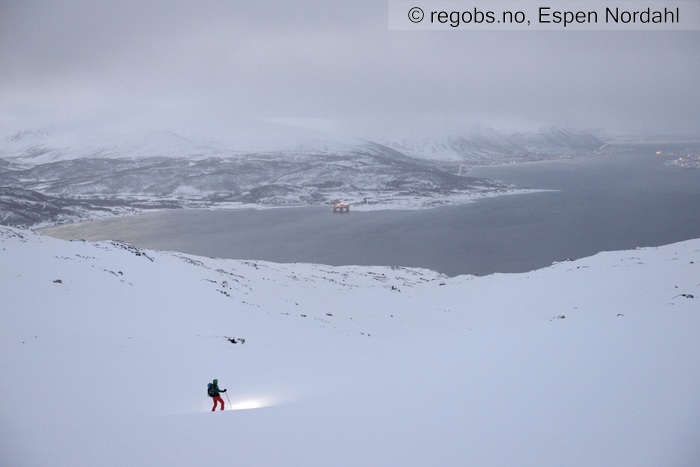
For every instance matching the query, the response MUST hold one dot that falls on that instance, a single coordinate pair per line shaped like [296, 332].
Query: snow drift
[107, 350]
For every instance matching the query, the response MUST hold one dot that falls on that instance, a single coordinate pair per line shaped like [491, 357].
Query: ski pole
[229, 401]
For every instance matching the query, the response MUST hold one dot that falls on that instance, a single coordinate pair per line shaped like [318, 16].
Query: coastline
[385, 202]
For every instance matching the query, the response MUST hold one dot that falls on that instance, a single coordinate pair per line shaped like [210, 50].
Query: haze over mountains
[56, 172]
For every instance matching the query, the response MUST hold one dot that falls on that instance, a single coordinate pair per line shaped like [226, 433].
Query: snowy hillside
[114, 139]
[90, 168]
[377, 175]
[160, 137]
[107, 350]
[485, 146]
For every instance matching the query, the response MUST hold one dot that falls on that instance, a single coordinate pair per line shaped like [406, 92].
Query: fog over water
[601, 203]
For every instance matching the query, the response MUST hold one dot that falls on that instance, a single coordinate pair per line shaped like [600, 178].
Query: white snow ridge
[107, 350]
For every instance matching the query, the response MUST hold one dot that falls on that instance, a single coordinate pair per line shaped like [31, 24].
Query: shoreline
[390, 202]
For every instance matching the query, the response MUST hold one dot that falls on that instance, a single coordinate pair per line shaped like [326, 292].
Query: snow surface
[177, 136]
[107, 350]
[144, 137]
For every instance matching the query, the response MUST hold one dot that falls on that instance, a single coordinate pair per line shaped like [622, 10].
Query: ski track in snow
[107, 349]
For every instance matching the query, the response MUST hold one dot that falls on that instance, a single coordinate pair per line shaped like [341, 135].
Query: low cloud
[336, 60]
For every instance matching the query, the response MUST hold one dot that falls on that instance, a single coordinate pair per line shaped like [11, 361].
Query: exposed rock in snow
[106, 350]
[92, 170]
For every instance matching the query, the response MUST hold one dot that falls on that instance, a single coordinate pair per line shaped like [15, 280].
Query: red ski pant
[217, 399]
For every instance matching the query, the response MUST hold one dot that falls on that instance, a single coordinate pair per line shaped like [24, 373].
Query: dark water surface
[602, 203]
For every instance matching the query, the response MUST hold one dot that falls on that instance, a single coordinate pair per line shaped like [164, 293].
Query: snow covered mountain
[271, 179]
[485, 146]
[153, 139]
[25, 207]
[107, 350]
[91, 169]
[113, 138]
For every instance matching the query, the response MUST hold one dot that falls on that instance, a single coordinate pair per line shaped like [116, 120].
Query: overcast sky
[330, 59]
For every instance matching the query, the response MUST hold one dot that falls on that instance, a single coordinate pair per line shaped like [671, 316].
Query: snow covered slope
[89, 169]
[228, 138]
[107, 350]
[113, 138]
[106, 165]
[486, 146]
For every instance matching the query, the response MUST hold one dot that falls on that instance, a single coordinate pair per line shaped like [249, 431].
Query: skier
[213, 391]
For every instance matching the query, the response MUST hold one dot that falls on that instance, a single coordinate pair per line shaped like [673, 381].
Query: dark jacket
[215, 389]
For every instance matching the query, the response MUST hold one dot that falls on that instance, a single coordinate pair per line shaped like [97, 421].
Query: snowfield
[107, 350]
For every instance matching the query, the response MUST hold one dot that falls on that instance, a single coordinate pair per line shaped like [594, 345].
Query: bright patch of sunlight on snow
[250, 404]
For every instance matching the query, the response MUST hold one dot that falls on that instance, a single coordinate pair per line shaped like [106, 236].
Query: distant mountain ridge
[56, 173]
[475, 145]
[485, 146]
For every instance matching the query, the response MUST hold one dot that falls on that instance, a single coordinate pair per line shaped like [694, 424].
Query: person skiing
[213, 391]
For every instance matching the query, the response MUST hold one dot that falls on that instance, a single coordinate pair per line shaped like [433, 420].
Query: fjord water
[598, 203]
